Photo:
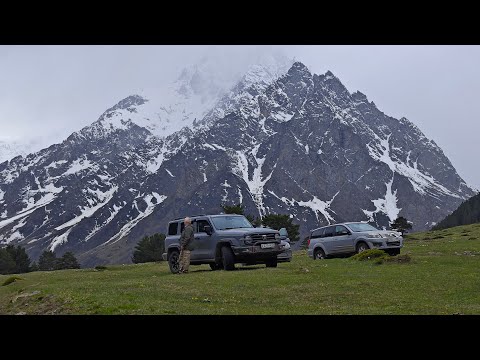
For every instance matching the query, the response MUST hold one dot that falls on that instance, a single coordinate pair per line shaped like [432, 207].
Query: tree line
[467, 213]
[15, 260]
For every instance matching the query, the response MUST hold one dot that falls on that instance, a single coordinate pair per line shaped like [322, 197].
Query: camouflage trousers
[184, 260]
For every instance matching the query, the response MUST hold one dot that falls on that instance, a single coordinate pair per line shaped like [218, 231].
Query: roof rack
[190, 216]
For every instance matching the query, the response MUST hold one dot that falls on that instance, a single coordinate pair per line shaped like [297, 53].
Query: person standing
[186, 240]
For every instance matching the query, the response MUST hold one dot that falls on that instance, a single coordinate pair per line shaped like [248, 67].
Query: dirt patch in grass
[35, 303]
[467, 253]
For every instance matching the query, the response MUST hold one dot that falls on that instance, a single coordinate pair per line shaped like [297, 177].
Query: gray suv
[350, 238]
[222, 241]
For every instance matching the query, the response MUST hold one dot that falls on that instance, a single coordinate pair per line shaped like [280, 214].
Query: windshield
[230, 222]
[358, 227]
[283, 232]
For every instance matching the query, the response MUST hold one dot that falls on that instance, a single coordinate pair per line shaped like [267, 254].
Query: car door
[203, 242]
[328, 239]
[343, 239]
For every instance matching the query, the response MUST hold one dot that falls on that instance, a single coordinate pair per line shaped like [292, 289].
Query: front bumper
[385, 244]
[256, 253]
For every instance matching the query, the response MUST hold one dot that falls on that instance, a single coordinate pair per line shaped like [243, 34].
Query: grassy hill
[442, 278]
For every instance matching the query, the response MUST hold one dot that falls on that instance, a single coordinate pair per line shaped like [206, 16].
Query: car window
[172, 228]
[359, 227]
[317, 233]
[283, 232]
[329, 231]
[201, 225]
[230, 222]
[340, 230]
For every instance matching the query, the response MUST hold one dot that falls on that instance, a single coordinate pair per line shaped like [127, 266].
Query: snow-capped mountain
[9, 150]
[279, 140]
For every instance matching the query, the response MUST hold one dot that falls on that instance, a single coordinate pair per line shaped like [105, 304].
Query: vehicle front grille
[259, 237]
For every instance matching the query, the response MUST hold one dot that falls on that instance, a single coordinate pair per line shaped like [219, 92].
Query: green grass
[443, 277]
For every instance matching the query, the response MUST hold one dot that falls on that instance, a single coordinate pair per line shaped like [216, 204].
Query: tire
[173, 257]
[215, 266]
[393, 252]
[362, 246]
[228, 259]
[319, 254]
[272, 263]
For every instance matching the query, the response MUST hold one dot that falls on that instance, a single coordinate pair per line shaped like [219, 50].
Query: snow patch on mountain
[80, 165]
[257, 182]
[421, 182]
[59, 240]
[316, 205]
[102, 197]
[125, 230]
[386, 205]
[98, 227]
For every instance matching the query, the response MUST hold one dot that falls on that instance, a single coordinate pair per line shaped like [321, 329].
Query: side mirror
[208, 229]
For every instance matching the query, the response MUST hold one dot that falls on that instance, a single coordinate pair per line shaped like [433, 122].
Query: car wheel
[362, 247]
[228, 258]
[319, 254]
[272, 263]
[215, 266]
[173, 257]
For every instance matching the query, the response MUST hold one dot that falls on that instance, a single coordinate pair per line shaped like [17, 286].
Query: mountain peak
[300, 68]
[359, 96]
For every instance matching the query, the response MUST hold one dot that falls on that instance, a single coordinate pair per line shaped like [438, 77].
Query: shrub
[100, 268]
[11, 279]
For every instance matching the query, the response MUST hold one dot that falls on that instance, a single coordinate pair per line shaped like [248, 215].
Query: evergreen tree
[34, 266]
[255, 221]
[149, 249]
[467, 213]
[401, 224]
[69, 261]
[47, 261]
[235, 209]
[7, 264]
[278, 221]
[20, 257]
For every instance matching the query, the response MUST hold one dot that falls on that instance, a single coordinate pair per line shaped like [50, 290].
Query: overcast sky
[47, 92]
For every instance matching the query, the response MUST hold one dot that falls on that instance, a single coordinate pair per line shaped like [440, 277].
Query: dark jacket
[186, 238]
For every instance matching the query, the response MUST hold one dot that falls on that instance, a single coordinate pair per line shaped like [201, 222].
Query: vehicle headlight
[248, 239]
[277, 236]
[394, 235]
[374, 236]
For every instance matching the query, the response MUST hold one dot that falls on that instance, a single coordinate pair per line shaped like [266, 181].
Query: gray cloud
[47, 92]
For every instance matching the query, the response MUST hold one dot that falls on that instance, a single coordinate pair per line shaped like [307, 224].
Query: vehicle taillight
[308, 242]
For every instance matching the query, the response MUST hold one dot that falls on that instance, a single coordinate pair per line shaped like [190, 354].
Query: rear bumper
[285, 256]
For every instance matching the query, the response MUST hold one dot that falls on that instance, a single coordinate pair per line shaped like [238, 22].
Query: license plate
[267, 246]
